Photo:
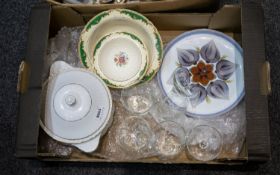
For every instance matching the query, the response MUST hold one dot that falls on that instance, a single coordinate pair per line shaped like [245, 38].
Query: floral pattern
[207, 73]
[121, 59]
[202, 73]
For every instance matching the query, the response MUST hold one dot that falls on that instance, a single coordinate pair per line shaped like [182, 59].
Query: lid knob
[70, 100]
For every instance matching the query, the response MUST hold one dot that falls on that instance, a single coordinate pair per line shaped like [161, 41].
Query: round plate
[121, 20]
[120, 59]
[215, 69]
[91, 121]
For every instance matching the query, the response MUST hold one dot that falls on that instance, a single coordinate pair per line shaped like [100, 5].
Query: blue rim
[194, 32]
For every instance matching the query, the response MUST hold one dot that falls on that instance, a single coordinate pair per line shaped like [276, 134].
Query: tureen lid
[72, 102]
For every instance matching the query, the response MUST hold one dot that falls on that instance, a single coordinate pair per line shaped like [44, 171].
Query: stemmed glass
[135, 137]
[138, 99]
[170, 140]
[204, 143]
[181, 90]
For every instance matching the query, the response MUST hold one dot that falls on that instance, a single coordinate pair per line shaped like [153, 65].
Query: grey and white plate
[215, 72]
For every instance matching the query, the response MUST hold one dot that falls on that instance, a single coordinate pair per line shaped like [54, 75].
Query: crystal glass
[181, 81]
[204, 143]
[135, 137]
[170, 140]
[164, 110]
[138, 99]
[181, 91]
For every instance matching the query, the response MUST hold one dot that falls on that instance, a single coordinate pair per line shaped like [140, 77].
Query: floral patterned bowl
[212, 71]
[120, 59]
[121, 20]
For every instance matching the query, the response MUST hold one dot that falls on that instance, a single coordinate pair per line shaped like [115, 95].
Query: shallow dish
[121, 20]
[214, 71]
[120, 59]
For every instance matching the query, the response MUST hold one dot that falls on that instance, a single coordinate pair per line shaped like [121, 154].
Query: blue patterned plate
[212, 69]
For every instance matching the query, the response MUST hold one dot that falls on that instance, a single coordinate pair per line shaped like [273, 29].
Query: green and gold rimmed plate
[121, 20]
[120, 59]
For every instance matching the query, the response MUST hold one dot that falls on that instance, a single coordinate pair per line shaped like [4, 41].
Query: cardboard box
[244, 23]
[144, 7]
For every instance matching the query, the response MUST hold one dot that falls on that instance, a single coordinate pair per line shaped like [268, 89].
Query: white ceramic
[214, 49]
[78, 108]
[72, 102]
[121, 20]
[120, 59]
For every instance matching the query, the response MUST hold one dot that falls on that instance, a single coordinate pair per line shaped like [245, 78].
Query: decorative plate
[213, 70]
[120, 59]
[78, 107]
[121, 20]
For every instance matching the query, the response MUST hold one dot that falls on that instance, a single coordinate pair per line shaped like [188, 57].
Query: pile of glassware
[175, 132]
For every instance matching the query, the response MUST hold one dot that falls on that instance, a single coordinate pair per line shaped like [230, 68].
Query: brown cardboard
[265, 79]
[23, 77]
[227, 18]
[144, 7]
[29, 109]
[256, 103]
[169, 25]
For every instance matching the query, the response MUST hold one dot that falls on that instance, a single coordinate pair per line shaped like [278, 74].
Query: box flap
[184, 21]
[144, 7]
[256, 102]
[67, 16]
[220, 19]
[29, 108]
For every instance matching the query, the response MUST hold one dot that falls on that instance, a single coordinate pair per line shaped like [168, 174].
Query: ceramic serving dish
[120, 59]
[121, 20]
[78, 108]
[211, 68]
